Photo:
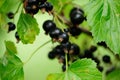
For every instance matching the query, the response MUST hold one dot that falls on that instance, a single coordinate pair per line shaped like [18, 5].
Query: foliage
[11, 67]
[104, 20]
[84, 69]
[27, 28]
[102, 16]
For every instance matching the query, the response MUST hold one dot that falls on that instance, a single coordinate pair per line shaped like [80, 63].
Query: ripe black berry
[63, 38]
[48, 25]
[63, 67]
[102, 44]
[11, 26]
[88, 54]
[100, 68]
[33, 2]
[42, 1]
[106, 59]
[66, 46]
[10, 15]
[59, 50]
[54, 33]
[42, 5]
[74, 49]
[49, 6]
[17, 37]
[76, 9]
[75, 31]
[31, 9]
[51, 55]
[96, 60]
[93, 48]
[77, 16]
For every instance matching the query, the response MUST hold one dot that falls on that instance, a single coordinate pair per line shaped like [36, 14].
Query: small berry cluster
[65, 46]
[76, 17]
[32, 6]
[12, 26]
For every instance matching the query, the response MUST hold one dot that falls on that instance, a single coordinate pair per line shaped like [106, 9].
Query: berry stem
[62, 19]
[66, 60]
[37, 50]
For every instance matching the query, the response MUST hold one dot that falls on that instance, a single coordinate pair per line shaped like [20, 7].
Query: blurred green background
[39, 66]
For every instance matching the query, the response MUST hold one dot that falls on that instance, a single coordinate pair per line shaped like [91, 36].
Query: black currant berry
[77, 16]
[76, 9]
[102, 44]
[11, 26]
[66, 46]
[96, 60]
[42, 1]
[88, 54]
[48, 25]
[100, 68]
[58, 50]
[17, 37]
[33, 2]
[31, 9]
[63, 67]
[93, 48]
[63, 38]
[42, 5]
[106, 59]
[51, 55]
[10, 15]
[75, 31]
[54, 33]
[74, 49]
[49, 6]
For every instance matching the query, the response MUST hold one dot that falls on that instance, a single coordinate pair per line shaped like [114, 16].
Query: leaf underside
[103, 16]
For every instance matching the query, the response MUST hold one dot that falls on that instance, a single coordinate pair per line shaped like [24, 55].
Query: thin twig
[37, 50]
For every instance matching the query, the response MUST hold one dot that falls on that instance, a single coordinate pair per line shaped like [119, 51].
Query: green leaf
[9, 5]
[80, 2]
[11, 67]
[57, 76]
[103, 16]
[3, 20]
[27, 28]
[84, 69]
[114, 75]
[11, 47]
[59, 4]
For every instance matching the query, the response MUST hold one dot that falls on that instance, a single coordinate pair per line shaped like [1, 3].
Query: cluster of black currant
[33, 6]
[65, 46]
[76, 17]
[12, 26]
